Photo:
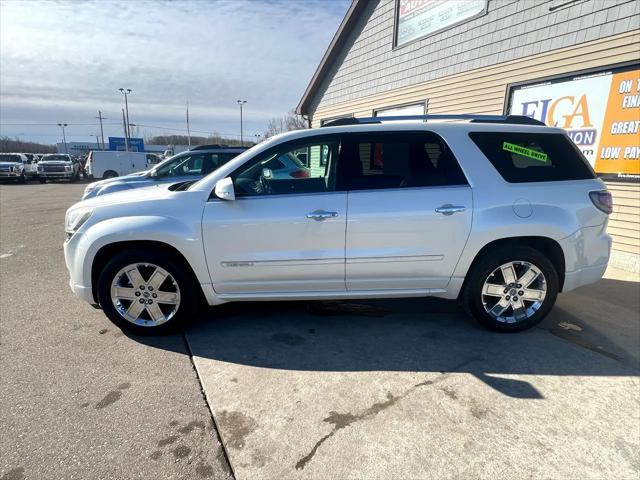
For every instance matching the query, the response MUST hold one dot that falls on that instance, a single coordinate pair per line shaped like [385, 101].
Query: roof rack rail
[508, 119]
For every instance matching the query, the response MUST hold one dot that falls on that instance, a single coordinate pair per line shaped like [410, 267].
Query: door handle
[449, 209]
[320, 215]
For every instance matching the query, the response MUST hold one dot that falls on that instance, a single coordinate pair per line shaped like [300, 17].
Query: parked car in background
[111, 164]
[58, 166]
[190, 165]
[502, 213]
[17, 166]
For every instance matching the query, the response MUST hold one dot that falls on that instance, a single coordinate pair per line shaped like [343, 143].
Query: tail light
[602, 200]
[299, 174]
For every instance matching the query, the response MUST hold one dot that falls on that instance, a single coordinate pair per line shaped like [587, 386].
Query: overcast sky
[62, 61]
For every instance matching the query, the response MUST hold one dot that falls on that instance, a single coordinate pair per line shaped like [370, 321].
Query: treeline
[15, 145]
[184, 140]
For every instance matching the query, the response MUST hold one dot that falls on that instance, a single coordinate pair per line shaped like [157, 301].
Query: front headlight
[75, 218]
[67, 168]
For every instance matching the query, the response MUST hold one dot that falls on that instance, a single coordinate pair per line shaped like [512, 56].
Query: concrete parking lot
[376, 389]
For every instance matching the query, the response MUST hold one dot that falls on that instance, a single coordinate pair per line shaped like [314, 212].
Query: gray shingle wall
[511, 29]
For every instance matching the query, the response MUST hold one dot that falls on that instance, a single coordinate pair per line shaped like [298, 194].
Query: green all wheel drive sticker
[525, 152]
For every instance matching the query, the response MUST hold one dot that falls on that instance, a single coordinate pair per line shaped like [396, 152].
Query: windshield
[57, 158]
[239, 160]
[10, 158]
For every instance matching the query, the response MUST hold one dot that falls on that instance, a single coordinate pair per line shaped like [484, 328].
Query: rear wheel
[511, 289]
[42, 180]
[146, 292]
[109, 174]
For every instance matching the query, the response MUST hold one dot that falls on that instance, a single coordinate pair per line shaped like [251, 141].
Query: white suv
[499, 212]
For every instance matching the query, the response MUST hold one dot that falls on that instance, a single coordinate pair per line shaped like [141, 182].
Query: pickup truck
[17, 166]
[58, 166]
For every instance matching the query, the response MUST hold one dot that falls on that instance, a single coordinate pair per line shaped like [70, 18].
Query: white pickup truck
[58, 166]
[110, 164]
[17, 166]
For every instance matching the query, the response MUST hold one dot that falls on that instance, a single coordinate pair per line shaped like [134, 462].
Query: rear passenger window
[533, 157]
[397, 160]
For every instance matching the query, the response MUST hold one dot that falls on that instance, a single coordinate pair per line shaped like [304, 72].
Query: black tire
[42, 180]
[109, 174]
[189, 298]
[472, 298]
[23, 178]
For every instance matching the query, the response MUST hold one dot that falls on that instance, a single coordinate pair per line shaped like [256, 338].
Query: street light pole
[126, 93]
[126, 135]
[241, 102]
[64, 137]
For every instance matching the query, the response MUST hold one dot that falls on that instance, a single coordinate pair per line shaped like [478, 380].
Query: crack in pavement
[343, 420]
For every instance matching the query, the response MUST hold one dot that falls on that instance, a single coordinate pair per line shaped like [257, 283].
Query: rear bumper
[583, 276]
[586, 254]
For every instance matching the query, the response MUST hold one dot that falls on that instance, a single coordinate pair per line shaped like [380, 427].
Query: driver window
[293, 167]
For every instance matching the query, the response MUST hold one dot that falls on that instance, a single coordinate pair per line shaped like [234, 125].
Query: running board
[263, 297]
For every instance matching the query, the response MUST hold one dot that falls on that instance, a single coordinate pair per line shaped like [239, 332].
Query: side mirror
[224, 189]
[267, 173]
[153, 173]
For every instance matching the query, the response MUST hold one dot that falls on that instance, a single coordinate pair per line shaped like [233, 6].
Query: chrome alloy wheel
[145, 294]
[514, 291]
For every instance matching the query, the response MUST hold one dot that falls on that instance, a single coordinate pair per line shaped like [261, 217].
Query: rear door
[409, 211]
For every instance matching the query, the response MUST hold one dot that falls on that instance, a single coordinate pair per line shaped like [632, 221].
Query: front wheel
[146, 292]
[512, 289]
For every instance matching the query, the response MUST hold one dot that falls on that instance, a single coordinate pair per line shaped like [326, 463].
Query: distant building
[77, 148]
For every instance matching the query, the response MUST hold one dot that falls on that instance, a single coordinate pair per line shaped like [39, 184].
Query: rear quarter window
[533, 157]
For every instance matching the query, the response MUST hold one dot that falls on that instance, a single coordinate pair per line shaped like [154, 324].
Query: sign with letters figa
[600, 112]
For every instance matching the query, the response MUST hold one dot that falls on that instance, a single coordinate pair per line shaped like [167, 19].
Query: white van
[111, 164]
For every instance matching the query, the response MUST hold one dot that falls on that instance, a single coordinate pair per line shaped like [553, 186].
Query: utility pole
[100, 117]
[126, 135]
[188, 130]
[241, 102]
[64, 137]
[126, 93]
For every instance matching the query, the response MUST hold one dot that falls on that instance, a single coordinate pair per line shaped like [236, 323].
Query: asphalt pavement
[79, 399]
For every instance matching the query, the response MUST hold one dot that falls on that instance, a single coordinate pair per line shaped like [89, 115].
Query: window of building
[397, 160]
[402, 110]
[533, 157]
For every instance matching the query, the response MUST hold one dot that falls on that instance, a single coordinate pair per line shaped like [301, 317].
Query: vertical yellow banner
[619, 149]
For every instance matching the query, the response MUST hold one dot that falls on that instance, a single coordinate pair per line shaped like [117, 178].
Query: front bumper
[55, 174]
[78, 255]
[10, 174]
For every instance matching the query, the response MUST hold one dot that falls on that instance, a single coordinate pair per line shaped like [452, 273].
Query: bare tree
[285, 123]
[16, 145]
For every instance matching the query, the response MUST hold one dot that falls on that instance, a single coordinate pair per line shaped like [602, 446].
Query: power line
[111, 123]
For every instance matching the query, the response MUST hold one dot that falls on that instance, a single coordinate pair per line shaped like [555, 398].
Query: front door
[410, 211]
[280, 234]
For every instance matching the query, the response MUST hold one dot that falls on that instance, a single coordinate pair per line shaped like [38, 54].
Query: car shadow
[417, 335]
